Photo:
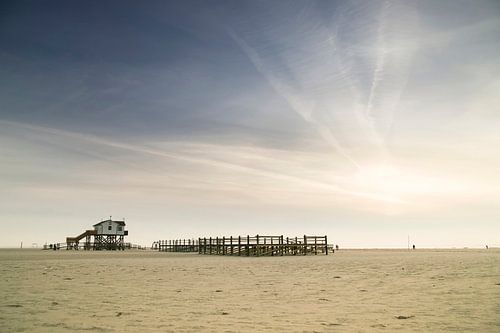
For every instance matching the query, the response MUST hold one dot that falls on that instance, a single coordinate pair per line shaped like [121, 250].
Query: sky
[367, 121]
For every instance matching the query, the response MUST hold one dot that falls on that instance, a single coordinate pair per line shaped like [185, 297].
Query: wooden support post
[326, 246]
[257, 246]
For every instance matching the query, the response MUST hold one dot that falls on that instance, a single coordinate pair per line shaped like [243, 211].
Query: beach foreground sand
[349, 291]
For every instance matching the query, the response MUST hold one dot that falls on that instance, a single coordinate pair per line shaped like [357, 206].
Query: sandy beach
[349, 291]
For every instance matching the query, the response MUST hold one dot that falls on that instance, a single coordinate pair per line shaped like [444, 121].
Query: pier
[176, 245]
[249, 246]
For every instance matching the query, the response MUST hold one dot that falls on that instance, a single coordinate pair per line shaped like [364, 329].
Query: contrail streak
[298, 105]
[378, 72]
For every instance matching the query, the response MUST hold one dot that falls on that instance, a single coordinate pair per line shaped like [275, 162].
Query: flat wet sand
[349, 291]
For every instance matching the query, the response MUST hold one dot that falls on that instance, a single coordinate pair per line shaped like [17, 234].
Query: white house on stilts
[110, 235]
[107, 234]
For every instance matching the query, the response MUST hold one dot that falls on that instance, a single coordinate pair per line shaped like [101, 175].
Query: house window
[109, 227]
[120, 228]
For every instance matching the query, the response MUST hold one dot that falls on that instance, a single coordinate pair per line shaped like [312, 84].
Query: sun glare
[395, 182]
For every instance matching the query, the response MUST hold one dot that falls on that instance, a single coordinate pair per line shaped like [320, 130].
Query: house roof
[119, 222]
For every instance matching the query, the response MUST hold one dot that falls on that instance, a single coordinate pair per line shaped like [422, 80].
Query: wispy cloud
[216, 160]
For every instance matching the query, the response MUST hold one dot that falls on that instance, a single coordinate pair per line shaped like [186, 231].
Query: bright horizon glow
[390, 180]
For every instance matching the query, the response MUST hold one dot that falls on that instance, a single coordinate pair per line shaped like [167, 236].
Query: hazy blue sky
[364, 120]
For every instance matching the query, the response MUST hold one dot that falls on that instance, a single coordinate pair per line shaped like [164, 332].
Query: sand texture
[349, 291]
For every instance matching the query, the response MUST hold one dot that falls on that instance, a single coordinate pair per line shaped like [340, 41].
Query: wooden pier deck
[249, 246]
[177, 245]
[264, 245]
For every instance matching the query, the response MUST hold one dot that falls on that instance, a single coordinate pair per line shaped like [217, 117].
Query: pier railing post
[326, 245]
[257, 246]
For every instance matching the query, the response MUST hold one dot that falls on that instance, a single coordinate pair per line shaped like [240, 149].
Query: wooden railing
[176, 245]
[263, 245]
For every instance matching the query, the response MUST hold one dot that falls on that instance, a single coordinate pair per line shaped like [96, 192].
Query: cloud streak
[210, 162]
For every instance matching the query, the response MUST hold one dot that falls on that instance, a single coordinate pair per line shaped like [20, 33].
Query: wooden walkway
[176, 245]
[247, 245]
[88, 246]
[264, 245]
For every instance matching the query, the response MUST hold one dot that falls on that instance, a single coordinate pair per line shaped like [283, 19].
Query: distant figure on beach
[337, 247]
[486, 247]
[414, 246]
